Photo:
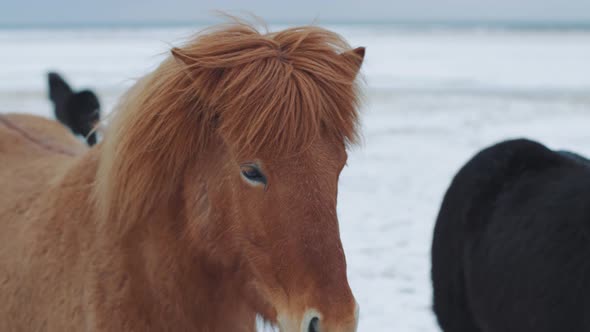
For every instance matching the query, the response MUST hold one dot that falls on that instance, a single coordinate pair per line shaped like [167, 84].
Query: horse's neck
[163, 281]
[161, 276]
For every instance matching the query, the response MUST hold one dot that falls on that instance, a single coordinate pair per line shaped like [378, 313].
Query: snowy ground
[433, 99]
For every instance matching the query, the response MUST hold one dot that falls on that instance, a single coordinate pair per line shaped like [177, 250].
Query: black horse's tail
[471, 188]
[448, 275]
[79, 111]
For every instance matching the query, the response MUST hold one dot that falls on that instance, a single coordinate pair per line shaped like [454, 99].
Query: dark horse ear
[355, 57]
[180, 55]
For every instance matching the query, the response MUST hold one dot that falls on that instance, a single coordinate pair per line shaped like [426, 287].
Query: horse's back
[511, 250]
[30, 136]
[33, 152]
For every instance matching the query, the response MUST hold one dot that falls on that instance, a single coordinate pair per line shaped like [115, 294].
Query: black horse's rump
[79, 111]
[511, 245]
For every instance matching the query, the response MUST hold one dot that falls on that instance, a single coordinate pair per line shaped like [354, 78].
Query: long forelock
[274, 91]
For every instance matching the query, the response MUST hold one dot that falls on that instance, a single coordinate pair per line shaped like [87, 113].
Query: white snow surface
[433, 98]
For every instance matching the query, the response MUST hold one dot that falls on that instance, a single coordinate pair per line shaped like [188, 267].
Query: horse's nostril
[314, 325]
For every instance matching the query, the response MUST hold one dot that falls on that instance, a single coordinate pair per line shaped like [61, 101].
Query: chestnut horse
[210, 202]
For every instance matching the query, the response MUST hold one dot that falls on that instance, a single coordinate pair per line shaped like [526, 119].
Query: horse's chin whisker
[263, 325]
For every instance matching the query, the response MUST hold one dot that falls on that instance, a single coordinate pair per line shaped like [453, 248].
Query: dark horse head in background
[79, 111]
[511, 246]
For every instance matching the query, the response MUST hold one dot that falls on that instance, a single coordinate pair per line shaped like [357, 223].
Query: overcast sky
[138, 11]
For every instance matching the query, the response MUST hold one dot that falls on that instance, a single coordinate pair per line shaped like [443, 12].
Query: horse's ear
[355, 57]
[179, 54]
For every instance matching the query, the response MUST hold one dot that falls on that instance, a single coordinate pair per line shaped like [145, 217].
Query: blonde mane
[258, 91]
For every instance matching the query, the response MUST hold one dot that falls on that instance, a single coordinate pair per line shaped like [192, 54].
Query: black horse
[79, 111]
[511, 246]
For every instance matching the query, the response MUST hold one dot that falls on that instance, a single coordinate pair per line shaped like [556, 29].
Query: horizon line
[413, 23]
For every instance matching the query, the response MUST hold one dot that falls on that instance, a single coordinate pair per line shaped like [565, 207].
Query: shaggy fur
[79, 111]
[155, 228]
[511, 249]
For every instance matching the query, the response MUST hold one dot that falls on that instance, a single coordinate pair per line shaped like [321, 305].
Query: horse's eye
[253, 174]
